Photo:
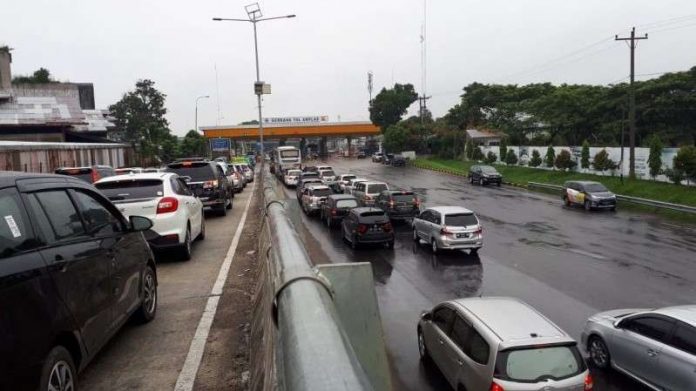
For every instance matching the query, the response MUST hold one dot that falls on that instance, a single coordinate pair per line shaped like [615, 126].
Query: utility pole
[422, 100]
[423, 107]
[369, 85]
[632, 102]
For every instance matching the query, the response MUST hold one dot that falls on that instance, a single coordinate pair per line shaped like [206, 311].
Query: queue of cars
[80, 247]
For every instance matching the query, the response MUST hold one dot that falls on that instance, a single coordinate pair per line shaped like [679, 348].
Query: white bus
[286, 158]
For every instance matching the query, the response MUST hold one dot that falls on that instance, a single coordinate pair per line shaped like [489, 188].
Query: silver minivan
[655, 347]
[367, 192]
[500, 343]
[448, 228]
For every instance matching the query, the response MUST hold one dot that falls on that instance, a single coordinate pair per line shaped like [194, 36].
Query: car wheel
[587, 206]
[222, 210]
[599, 354]
[201, 236]
[148, 308]
[389, 244]
[353, 242]
[186, 246]
[471, 180]
[433, 244]
[416, 238]
[474, 251]
[58, 371]
[229, 206]
[422, 349]
[480, 181]
[328, 222]
[566, 201]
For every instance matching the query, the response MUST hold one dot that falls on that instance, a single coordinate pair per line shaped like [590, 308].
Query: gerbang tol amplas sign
[311, 119]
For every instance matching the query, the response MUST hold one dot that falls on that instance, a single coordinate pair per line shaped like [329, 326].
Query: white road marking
[587, 254]
[187, 376]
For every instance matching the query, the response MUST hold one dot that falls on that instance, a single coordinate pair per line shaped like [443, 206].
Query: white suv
[165, 199]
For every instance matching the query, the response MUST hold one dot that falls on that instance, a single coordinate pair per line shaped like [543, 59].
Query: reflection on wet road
[565, 262]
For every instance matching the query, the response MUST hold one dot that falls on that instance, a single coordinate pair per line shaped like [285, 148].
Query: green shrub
[535, 161]
[491, 157]
[564, 161]
[477, 155]
[585, 155]
[511, 158]
[602, 162]
[550, 156]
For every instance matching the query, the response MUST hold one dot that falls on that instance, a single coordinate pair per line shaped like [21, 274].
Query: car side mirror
[186, 178]
[427, 315]
[140, 223]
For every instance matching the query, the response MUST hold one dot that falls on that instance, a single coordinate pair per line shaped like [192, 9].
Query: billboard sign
[220, 144]
[312, 119]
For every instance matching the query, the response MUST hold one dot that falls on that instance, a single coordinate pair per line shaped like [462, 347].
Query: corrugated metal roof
[31, 145]
[475, 133]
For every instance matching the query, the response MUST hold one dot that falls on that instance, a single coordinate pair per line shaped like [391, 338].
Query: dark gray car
[367, 225]
[590, 195]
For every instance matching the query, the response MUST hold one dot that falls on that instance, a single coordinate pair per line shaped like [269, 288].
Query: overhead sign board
[312, 119]
[220, 144]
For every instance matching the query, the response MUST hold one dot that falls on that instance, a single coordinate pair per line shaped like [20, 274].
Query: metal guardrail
[313, 352]
[624, 198]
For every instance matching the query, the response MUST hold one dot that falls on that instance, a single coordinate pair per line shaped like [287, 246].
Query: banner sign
[296, 120]
[220, 144]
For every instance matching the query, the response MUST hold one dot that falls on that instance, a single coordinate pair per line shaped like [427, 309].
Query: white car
[240, 171]
[165, 199]
[322, 168]
[343, 180]
[348, 188]
[248, 172]
[291, 177]
[231, 177]
[327, 176]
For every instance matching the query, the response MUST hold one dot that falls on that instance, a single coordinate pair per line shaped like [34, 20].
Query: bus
[285, 158]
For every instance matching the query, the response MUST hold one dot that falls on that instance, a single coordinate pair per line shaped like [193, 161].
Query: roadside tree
[535, 161]
[193, 144]
[511, 158]
[564, 161]
[585, 155]
[391, 104]
[685, 161]
[655, 157]
[491, 157]
[503, 149]
[550, 156]
[477, 154]
[469, 149]
[602, 162]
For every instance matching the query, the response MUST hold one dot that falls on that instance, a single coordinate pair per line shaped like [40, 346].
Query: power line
[672, 28]
[666, 22]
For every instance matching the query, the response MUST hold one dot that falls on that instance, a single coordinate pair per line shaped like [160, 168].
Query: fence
[624, 198]
[45, 157]
[312, 349]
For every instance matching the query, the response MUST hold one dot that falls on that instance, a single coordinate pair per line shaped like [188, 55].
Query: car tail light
[589, 383]
[333, 211]
[362, 228]
[391, 203]
[446, 232]
[416, 202]
[479, 231]
[210, 184]
[387, 227]
[496, 387]
[167, 205]
[95, 176]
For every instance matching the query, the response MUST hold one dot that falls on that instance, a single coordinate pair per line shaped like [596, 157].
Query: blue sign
[220, 144]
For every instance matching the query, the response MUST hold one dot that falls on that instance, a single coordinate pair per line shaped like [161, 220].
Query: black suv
[484, 175]
[207, 181]
[336, 208]
[398, 204]
[367, 225]
[72, 271]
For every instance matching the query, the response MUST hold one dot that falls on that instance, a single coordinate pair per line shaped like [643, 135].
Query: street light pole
[255, 16]
[197, 99]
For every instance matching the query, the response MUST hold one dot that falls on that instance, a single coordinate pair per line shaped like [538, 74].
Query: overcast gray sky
[317, 63]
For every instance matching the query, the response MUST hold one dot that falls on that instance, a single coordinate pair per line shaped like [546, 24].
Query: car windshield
[198, 171]
[321, 192]
[131, 189]
[539, 363]
[82, 173]
[327, 173]
[488, 170]
[376, 188]
[310, 175]
[461, 220]
[294, 172]
[348, 177]
[349, 203]
[595, 188]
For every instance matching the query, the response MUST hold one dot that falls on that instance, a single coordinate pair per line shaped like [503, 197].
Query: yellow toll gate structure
[292, 130]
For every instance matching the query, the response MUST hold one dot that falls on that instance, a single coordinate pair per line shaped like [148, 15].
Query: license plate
[463, 235]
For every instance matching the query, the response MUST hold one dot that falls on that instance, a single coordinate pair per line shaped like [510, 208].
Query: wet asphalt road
[565, 262]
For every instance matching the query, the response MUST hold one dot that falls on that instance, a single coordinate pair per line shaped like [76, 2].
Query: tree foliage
[477, 155]
[550, 157]
[139, 119]
[511, 157]
[491, 157]
[564, 161]
[193, 144]
[391, 104]
[537, 114]
[40, 76]
[602, 162]
[585, 155]
[655, 157]
[685, 162]
[503, 148]
[535, 161]
[469, 149]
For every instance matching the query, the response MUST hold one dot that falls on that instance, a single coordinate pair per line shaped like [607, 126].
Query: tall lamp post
[255, 16]
[197, 99]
